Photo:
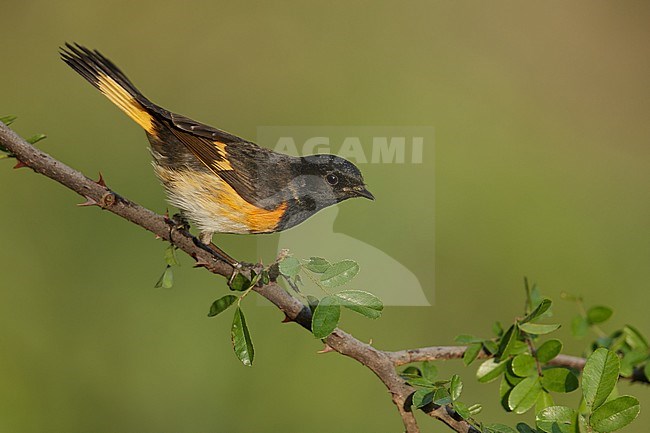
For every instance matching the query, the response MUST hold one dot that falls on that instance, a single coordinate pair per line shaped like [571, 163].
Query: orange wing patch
[213, 205]
[258, 220]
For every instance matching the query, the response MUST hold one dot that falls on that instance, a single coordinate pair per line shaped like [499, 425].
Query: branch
[438, 353]
[96, 193]
[382, 363]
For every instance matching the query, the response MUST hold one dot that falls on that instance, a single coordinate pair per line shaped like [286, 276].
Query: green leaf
[441, 397]
[522, 427]
[557, 419]
[467, 339]
[543, 401]
[8, 120]
[505, 388]
[537, 312]
[511, 377]
[429, 371]
[507, 342]
[422, 397]
[364, 303]
[598, 314]
[549, 350]
[462, 409]
[312, 303]
[475, 409]
[630, 360]
[490, 370]
[326, 317]
[36, 138]
[524, 365]
[599, 377]
[419, 381]
[456, 387]
[615, 414]
[412, 373]
[491, 346]
[221, 304]
[524, 395]
[634, 338]
[518, 347]
[579, 326]
[537, 328]
[472, 353]
[536, 295]
[646, 370]
[170, 256]
[239, 282]
[266, 278]
[166, 280]
[559, 379]
[498, 428]
[317, 265]
[255, 278]
[339, 273]
[290, 266]
[241, 338]
[525, 428]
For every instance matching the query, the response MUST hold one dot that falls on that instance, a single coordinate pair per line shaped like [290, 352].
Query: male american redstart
[221, 182]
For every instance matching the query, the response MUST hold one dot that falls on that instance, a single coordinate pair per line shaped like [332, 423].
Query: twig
[437, 353]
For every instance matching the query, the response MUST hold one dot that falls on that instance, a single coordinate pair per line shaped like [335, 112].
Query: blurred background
[540, 168]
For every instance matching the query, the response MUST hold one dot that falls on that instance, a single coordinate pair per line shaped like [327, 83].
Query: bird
[222, 183]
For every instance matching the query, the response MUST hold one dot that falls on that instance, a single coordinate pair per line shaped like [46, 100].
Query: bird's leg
[180, 222]
[206, 238]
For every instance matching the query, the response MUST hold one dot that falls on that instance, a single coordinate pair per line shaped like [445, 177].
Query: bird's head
[329, 179]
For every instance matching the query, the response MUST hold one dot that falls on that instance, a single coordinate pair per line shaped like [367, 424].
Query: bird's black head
[329, 179]
[319, 181]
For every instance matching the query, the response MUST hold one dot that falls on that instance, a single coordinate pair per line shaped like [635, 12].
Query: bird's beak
[363, 192]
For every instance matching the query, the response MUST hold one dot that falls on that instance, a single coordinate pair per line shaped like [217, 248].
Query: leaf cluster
[326, 312]
[430, 390]
[627, 342]
[528, 379]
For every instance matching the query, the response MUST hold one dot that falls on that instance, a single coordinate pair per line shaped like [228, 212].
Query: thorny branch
[382, 363]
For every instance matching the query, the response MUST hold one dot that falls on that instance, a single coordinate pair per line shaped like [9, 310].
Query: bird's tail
[105, 76]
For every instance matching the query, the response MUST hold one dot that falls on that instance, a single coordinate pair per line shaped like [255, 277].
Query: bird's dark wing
[249, 169]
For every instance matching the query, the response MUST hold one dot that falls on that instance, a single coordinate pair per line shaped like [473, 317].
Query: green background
[540, 168]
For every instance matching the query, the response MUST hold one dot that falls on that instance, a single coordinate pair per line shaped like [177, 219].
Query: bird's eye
[332, 179]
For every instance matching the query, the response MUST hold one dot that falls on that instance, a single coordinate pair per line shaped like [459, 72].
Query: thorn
[100, 181]
[20, 164]
[326, 349]
[370, 342]
[287, 319]
[156, 237]
[200, 263]
[89, 202]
